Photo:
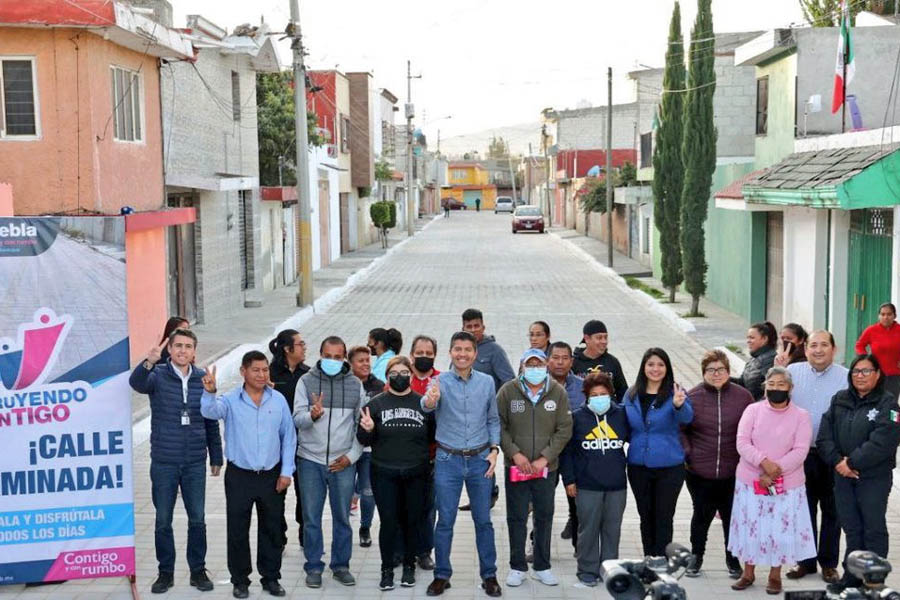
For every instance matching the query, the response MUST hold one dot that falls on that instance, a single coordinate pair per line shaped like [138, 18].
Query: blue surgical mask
[331, 367]
[599, 404]
[535, 375]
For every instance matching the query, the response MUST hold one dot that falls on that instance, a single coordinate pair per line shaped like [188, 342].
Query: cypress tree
[667, 165]
[699, 152]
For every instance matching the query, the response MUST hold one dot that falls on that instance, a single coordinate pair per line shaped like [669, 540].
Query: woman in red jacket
[711, 456]
[883, 340]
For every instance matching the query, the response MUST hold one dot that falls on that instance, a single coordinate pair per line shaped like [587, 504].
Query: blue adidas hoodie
[594, 458]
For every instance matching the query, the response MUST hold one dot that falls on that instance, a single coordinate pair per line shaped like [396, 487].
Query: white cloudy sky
[490, 63]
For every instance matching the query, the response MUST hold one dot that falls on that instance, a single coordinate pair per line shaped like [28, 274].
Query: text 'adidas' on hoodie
[594, 458]
[334, 433]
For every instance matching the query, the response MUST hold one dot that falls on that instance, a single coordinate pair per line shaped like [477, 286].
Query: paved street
[469, 260]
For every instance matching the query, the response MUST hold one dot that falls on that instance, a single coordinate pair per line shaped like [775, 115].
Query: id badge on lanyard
[185, 416]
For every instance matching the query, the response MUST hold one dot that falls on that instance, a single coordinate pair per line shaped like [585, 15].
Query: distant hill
[517, 136]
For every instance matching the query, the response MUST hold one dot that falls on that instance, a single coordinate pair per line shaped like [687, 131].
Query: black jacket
[170, 441]
[594, 458]
[286, 380]
[865, 430]
[754, 376]
[581, 364]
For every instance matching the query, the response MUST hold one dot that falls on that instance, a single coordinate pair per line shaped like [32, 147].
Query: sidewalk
[719, 327]
[251, 325]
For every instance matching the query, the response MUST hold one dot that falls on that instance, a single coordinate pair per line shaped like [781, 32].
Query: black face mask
[399, 383]
[777, 396]
[423, 364]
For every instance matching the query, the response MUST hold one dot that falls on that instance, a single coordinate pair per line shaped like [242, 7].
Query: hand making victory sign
[155, 353]
[433, 395]
[209, 380]
[366, 421]
[315, 409]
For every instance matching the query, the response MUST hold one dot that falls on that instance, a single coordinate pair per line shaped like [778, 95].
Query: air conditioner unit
[332, 150]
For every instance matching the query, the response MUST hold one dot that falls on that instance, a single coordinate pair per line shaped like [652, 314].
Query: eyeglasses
[863, 372]
[399, 374]
[715, 370]
[301, 343]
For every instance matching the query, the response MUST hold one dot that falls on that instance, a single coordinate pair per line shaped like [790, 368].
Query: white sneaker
[546, 577]
[515, 578]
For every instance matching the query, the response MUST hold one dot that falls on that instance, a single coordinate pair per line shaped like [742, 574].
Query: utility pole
[544, 139]
[512, 176]
[410, 112]
[528, 167]
[609, 179]
[305, 293]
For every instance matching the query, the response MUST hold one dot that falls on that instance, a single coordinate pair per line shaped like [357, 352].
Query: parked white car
[503, 204]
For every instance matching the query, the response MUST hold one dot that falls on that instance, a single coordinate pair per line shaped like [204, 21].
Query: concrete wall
[202, 138]
[585, 128]
[734, 107]
[875, 49]
[145, 258]
[805, 266]
[75, 164]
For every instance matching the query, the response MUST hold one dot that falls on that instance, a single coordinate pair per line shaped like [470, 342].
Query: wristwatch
[497, 448]
[148, 365]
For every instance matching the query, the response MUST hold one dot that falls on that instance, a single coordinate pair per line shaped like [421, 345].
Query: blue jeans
[315, 482]
[165, 480]
[364, 489]
[450, 473]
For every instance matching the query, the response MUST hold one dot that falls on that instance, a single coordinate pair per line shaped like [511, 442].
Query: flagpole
[844, 66]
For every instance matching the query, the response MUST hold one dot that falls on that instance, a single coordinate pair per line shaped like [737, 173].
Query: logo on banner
[27, 361]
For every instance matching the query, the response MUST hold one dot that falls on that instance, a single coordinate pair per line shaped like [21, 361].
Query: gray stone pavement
[468, 260]
[719, 326]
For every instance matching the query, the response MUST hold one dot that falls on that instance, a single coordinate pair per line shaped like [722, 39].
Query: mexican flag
[844, 51]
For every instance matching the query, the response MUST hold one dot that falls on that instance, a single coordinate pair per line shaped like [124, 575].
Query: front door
[182, 264]
[869, 272]
[775, 267]
[469, 197]
[345, 223]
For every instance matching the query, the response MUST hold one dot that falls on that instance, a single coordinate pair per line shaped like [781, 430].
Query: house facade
[469, 181]
[81, 131]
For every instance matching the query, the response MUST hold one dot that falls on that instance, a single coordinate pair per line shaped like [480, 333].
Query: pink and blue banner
[66, 495]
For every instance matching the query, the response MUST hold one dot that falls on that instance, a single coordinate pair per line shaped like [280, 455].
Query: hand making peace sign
[209, 379]
[366, 421]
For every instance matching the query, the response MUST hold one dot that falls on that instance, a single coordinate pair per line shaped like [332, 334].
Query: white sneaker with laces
[546, 577]
[515, 578]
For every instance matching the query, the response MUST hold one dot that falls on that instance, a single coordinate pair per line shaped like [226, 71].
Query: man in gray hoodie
[491, 360]
[327, 405]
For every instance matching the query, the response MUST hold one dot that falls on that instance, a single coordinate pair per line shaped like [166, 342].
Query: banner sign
[66, 496]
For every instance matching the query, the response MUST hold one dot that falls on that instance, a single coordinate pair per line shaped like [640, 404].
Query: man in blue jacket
[179, 439]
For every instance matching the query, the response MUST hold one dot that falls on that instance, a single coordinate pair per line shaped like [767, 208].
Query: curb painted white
[228, 364]
[737, 363]
[647, 300]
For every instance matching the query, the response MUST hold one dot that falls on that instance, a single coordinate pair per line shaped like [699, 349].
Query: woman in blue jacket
[656, 407]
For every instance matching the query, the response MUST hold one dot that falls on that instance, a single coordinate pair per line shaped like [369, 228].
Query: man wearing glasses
[815, 383]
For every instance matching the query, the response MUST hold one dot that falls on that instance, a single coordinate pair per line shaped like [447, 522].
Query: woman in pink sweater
[770, 521]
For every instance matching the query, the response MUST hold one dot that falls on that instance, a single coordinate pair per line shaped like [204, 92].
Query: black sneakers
[200, 580]
[408, 579]
[387, 580]
[163, 582]
[365, 537]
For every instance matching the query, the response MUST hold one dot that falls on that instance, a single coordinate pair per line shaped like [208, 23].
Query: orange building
[468, 182]
[81, 133]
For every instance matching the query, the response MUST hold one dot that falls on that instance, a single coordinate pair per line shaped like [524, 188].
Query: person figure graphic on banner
[180, 438]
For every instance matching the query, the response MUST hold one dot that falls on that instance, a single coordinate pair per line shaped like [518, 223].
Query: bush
[383, 214]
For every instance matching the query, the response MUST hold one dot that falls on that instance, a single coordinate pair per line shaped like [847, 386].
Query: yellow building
[469, 182]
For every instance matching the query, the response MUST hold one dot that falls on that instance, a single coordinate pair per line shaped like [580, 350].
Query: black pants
[243, 489]
[656, 494]
[709, 496]
[540, 494]
[399, 497]
[298, 514]
[861, 508]
[820, 494]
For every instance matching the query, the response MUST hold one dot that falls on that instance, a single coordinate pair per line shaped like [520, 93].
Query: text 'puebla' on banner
[66, 495]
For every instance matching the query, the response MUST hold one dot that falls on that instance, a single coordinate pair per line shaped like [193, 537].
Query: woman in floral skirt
[770, 523]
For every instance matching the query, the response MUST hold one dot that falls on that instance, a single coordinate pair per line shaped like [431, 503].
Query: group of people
[794, 437]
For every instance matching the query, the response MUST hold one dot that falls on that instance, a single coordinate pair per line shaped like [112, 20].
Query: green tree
[667, 166]
[698, 151]
[275, 121]
[498, 148]
[383, 170]
[827, 13]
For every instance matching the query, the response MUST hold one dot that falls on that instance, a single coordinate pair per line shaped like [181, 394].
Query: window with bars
[762, 106]
[236, 96]
[18, 98]
[873, 221]
[646, 149]
[126, 88]
[345, 134]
